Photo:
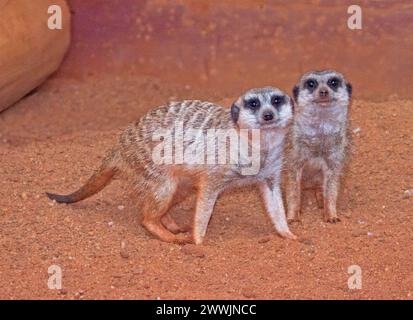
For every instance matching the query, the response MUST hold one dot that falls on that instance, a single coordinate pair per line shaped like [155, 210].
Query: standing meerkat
[164, 178]
[319, 139]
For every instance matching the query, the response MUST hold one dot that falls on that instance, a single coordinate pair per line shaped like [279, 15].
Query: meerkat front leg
[294, 195]
[330, 191]
[275, 208]
[204, 207]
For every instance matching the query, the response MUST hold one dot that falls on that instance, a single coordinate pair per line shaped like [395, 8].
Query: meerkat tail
[95, 184]
[99, 180]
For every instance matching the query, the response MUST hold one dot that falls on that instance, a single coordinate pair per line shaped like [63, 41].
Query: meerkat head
[322, 88]
[263, 108]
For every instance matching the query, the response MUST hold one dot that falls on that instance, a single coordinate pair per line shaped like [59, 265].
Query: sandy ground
[53, 139]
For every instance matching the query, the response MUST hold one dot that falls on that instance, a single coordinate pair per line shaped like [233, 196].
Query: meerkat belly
[319, 152]
[313, 173]
[235, 179]
[321, 144]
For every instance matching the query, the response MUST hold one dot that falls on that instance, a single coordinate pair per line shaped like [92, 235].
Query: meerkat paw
[173, 226]
[294, 220]
[175, 229]
[183, 239]
[184, 228]
[294, 217]
[287, 234]
[332, 219]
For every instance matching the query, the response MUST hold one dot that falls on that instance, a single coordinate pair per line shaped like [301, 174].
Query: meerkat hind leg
[169, 222]
[154, 211]
[156, 227]
[182, 192]
[330, 198]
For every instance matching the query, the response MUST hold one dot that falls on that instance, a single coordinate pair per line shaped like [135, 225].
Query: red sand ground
[53, 139]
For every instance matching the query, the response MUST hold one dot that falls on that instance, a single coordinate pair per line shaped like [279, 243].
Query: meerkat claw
[288, 235]
[294, 220]
[333, 220]
[185, 228]
[183, 239]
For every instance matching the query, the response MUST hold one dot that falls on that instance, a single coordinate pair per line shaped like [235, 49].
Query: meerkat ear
[234, 112]
[292, 104]
[296, 91]
[349, 88]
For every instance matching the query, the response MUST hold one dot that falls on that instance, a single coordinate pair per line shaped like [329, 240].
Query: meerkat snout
[268, 116]
[323, 93]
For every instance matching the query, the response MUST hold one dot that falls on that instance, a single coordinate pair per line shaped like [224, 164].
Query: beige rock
[30, 51]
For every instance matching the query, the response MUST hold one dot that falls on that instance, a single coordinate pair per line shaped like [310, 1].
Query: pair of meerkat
[318, 142]
[159, 185]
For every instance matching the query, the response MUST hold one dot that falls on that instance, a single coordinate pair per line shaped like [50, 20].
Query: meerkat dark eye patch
[334, 83]
[277, 100]
[311, 85]
[253, 103]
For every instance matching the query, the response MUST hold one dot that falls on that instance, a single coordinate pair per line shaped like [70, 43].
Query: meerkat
[319, 140]
[161, 184]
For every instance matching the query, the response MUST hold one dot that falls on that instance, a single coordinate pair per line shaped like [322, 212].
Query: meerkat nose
[268, 116]
[323, 92]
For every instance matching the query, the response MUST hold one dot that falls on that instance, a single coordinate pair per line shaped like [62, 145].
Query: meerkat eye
[253, 104]
[333, 83]
[311, 83]
[276, 101]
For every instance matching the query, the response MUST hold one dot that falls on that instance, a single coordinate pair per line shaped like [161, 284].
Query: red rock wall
[236, 44]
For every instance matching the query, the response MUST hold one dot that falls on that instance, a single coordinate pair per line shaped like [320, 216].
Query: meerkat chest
[262, 161]
[271, 150]
[272, 144]
[321, 129]
[319, 137]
